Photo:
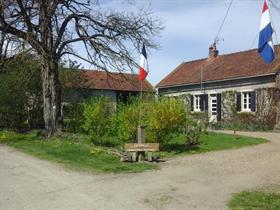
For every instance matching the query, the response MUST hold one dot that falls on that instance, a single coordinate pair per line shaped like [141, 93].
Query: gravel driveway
[202, 181]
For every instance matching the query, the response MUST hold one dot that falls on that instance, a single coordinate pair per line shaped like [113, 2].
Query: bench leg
[141, 156]
[133, 156]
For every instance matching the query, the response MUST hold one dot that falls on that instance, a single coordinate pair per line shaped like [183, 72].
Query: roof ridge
[106, 71]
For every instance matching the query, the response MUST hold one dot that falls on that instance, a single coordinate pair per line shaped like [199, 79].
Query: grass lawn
[76, 151]
[255, 200]
[210, 142]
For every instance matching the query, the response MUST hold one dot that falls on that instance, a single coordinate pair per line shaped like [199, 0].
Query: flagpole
[141, 95]
[142, 75]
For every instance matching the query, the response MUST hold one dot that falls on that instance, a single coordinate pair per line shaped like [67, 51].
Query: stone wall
[267, 109]
[266, 106]
[186, 98]
[277, 96]
[228, 105]
[277, 82]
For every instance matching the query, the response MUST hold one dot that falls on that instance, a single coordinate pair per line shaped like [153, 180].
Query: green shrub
[73, 117]
[192, 133]
[161, 117]
[126, 120]
[98, 112]
[164, 117]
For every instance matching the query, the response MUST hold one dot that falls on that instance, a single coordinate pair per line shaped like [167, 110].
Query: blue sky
[191, 27]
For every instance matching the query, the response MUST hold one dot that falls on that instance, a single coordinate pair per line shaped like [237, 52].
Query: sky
[192, 25]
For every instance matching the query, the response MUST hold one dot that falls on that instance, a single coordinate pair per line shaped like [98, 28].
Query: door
[213, 108]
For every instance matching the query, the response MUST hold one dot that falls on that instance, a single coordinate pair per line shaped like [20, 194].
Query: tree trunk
[51, 96]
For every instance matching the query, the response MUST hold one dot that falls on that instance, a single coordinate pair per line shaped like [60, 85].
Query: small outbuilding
[117, 86]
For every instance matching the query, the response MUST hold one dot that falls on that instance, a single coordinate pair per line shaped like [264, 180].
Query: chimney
[213, 52]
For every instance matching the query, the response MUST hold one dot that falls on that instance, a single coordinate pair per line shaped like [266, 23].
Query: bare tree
[53, 27]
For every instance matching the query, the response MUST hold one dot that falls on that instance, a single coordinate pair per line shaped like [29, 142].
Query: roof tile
[103, 80]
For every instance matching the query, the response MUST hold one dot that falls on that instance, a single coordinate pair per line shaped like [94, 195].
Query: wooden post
[140, 134]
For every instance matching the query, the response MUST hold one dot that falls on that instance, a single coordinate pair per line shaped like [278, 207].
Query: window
[246, 101]
[199, 102]
[196, 103]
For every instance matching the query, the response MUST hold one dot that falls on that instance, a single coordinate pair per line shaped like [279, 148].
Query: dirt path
[203, 181]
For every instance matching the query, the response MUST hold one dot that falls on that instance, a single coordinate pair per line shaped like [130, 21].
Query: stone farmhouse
[223, 86]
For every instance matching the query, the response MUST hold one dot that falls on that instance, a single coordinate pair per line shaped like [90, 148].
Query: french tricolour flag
[143, 71]
[266, 50]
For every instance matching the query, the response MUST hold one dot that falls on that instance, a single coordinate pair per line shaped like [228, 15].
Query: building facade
[226, 86]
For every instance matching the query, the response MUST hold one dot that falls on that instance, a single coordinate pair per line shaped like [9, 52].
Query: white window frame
[196, 103]
[246, 101]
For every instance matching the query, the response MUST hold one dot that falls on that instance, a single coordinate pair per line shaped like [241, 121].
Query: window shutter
[238, 101]
[253, 101]
[191, 102]
[219, 110]
[204, 102]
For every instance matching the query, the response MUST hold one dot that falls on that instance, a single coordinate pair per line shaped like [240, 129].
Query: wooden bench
[136, 152]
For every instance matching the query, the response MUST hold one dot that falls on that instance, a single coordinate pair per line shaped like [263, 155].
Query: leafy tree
[110, 39]
[20, 93]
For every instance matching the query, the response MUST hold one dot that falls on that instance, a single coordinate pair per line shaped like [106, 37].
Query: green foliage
[126, 120]
[98, 112]
[255, 200]
[161, 117]
[109, 126]
[73, 117]
[20, 94]
[164, 117]
[192, 134]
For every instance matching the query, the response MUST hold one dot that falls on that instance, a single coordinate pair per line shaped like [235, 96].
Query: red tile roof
[102, 80]
[230, 66]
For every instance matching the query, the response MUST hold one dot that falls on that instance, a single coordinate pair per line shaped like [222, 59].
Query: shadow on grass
[180, 148]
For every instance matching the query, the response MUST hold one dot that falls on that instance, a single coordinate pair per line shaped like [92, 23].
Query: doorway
[213, 108]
